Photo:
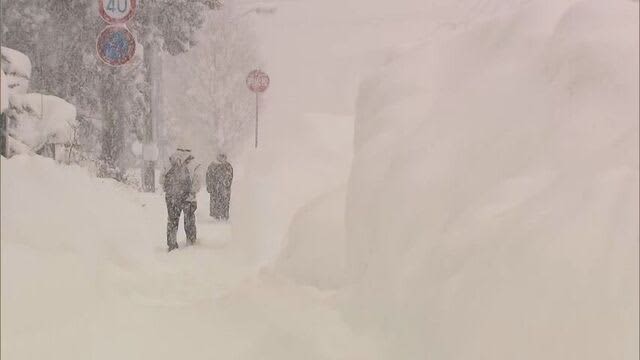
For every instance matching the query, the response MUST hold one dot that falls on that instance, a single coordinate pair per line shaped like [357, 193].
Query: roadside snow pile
[297, 162]
[60, 228]
[314, 251]
[492, 209]
[63, 208]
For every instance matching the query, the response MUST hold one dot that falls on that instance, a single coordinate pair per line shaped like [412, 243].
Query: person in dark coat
[180, 184]
[219, 178]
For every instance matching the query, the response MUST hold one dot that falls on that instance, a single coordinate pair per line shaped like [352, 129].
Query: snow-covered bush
[17, 67]
[37, 119]
[4, 92]
[209, 105]
[34, 120]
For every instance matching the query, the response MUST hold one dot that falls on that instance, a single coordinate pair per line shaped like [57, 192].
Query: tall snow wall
[492, 208]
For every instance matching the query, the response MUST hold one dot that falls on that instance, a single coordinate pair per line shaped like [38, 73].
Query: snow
[4, 92]
[491, 211]
[15, 63]
[17, 67]
[296, 162]
[314, 253]
[435, 180]
[39, 119]
[85, 274]
[34, 119]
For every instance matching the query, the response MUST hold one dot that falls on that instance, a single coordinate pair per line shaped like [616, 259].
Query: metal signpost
[116, 45]
[257, 81]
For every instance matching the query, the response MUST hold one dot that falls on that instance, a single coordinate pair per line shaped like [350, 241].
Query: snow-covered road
[86, 275]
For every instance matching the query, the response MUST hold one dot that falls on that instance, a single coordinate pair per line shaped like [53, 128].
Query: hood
[180, 157]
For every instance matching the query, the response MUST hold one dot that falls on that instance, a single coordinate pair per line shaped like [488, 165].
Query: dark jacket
[180, 180]
[219, 177]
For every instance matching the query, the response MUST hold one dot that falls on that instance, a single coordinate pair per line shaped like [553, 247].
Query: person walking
[219, 179]
[180, 183]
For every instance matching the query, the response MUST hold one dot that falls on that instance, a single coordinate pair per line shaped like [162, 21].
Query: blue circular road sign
[116, 45]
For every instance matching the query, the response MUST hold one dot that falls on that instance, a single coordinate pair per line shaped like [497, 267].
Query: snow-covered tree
[164, 27]
[36, 122]
[209, 105]
[59, 37]
[114, 104]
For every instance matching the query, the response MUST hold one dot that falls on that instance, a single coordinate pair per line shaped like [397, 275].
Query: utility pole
[3, 134]
[150, 153]
[153, 65]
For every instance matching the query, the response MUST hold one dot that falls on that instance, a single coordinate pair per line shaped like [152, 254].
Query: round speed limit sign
[257, 81]
[117, 11]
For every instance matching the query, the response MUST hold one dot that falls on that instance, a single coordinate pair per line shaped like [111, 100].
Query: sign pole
[256, 120]
[257, 81]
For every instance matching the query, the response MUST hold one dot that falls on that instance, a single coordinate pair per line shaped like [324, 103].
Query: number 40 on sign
[117, 11]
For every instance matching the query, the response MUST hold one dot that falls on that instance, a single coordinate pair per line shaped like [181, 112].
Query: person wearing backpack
[180, 183]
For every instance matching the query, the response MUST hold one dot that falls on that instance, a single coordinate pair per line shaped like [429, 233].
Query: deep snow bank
[300, 157]
[314, 250]
[84, 207]
[60, 228]
[493, 204]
